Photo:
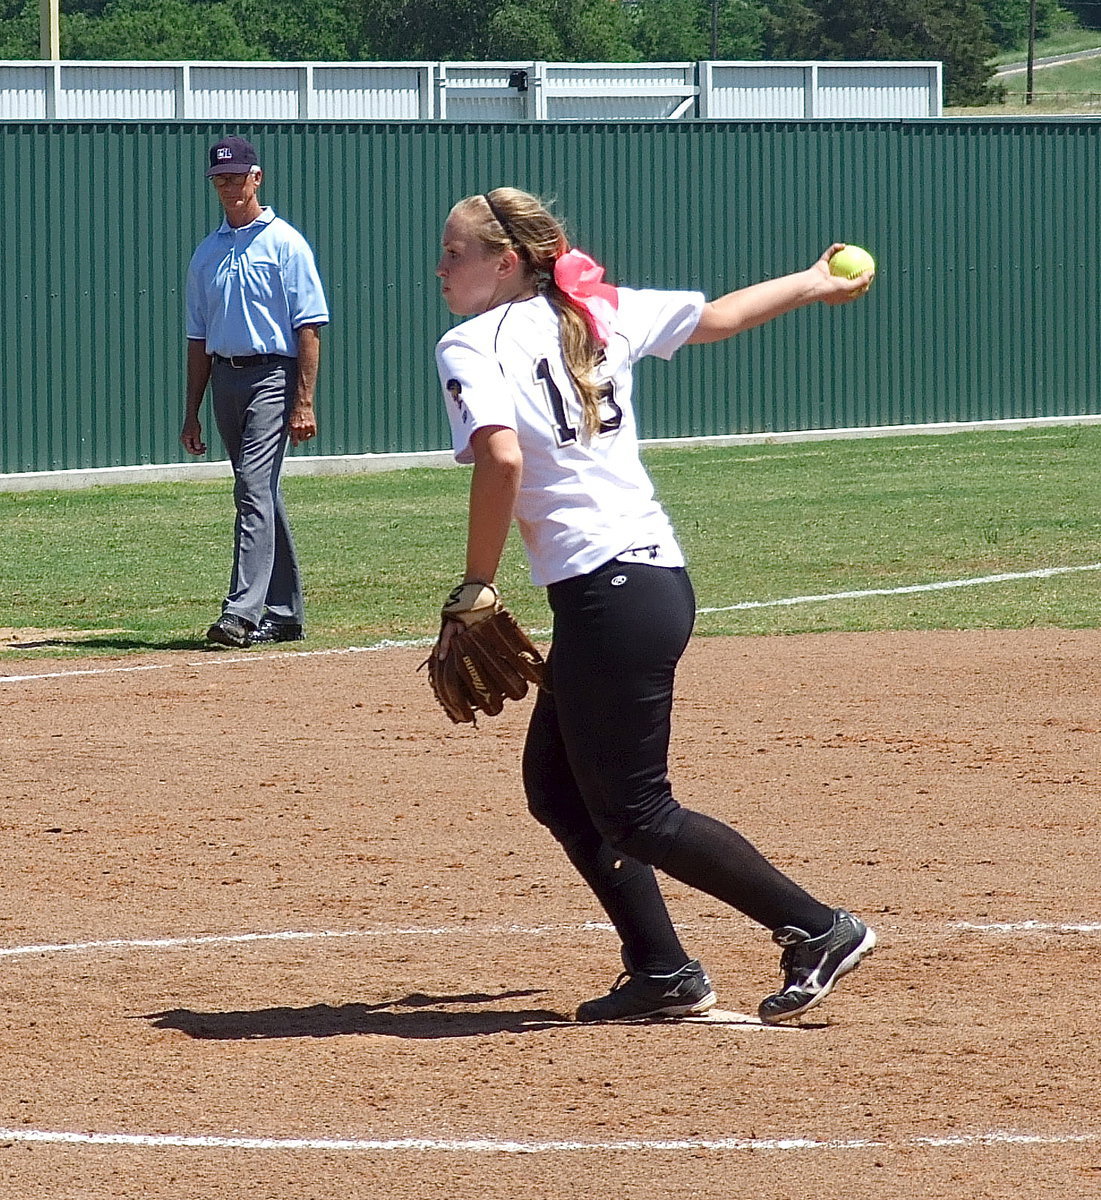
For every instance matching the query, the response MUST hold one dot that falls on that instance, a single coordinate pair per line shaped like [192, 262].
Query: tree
[157, 30]
[1088, 12]
[296, 30]
[680, 30]
[960, 38]
[1008, 20]
[953, 31]
[559, 31]
[404, 30]
[669, 30]
[791, 29]
[741, 30]
[602, 32]
[287, 30]
[18, 29]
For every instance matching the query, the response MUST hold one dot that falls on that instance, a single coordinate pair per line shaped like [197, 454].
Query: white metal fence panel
[741, 91]
[23, 91]
[110, 92]
[400, 92]
[612, 91]
[474, 104]
[614, 108]
[474, 107]
[870, 90]
[222, 91]
[639, 78]
[485, 91]
[859, 89]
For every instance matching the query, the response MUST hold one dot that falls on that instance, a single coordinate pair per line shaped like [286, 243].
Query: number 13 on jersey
[611, 415]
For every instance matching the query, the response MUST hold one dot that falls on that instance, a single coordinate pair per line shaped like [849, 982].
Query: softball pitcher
[538, 387]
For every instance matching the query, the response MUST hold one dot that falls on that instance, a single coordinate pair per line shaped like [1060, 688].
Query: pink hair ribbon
[582, 280]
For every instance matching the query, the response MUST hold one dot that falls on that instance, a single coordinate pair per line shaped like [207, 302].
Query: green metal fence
[986, 234]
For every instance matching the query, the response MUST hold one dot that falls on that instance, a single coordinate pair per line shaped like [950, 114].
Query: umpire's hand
[303, 422]
[192, 436]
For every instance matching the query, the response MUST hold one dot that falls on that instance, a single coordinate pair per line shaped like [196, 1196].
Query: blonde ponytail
[582, 354]
[507, 217]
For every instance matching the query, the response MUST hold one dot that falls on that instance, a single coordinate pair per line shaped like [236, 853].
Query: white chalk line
[305, 935]
[1028, 927]
[506, 1146]
[296, 935]
[391, 644]
[222, 660]
[509, 1146]
[938, 586]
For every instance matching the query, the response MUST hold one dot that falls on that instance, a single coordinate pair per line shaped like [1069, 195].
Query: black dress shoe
[231, 630]
[277, 631]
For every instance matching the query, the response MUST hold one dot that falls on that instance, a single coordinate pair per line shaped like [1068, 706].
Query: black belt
[248, 360]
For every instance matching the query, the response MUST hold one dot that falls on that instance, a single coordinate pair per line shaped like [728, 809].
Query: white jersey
[582, 500]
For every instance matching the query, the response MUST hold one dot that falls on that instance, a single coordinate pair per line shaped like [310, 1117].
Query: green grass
[759, 523]
[1081, 79]
[1071, 90]
[1064, 41]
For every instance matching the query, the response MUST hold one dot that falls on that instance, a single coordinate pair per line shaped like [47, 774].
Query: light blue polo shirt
[250, 289]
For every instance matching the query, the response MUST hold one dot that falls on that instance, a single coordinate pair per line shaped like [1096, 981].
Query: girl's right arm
[494, 486]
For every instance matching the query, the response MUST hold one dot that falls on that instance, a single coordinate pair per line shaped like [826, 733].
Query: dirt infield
[414, 1040]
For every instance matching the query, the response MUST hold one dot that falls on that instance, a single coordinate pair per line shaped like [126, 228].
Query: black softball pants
[596, 765]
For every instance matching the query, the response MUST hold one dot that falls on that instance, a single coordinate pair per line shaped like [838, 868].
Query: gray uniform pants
[251, 409]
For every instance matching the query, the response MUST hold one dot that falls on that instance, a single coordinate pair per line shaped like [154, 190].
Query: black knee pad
[650, 841]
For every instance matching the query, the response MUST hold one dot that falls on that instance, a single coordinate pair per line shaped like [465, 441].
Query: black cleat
[231, 630]
[277, 631]
[812, 966]
[634, 996]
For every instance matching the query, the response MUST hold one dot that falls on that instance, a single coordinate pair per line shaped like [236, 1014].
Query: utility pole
[49, 25]
[714, 29]
[1031, 49]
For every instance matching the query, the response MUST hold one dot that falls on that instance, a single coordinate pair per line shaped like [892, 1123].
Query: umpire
[255, 308]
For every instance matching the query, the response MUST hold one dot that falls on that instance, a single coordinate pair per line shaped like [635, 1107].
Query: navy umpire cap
[232, 156]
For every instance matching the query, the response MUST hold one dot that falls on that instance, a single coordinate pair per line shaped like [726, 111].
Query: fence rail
[445, 91]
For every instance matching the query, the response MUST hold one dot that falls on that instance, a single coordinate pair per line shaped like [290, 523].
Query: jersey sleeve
[306, 301]
[195, 303]
[476, 394]
[656, 322]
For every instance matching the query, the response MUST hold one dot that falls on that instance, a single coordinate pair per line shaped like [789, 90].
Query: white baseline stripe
[227, 939]
[1028, 927]
[305, 935]
[501, 1146]
[221, 660]
[942, 585]
[387, 644]
[86, 671]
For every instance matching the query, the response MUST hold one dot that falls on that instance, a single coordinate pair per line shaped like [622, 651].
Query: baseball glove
[481, 657]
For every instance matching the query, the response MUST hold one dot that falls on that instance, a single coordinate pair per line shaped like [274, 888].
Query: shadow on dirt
[426, 1020]
[107, 643]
